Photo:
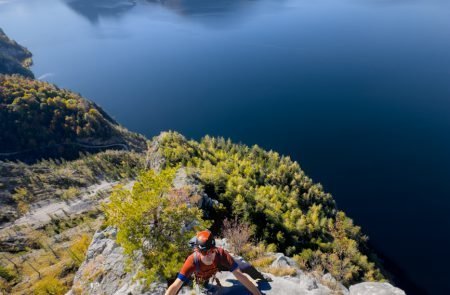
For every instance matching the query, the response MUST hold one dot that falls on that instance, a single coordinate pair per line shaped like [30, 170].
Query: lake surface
[358, 91]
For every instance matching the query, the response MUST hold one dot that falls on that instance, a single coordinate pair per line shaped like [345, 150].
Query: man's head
[205, 241]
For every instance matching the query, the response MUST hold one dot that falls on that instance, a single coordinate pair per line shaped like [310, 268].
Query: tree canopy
[283, 205]
[39, 115]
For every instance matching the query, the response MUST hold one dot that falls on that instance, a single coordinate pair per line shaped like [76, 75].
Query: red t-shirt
[223, 260]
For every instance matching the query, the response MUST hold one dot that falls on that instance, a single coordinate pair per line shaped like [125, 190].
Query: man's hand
[173, 289]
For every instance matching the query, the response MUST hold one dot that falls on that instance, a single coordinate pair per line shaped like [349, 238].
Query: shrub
[5, 287]
[271, 248]
[237, 234]
[308, 259]
[6, 274]
[49, 286]
[252, 252]
[22, 197]
[70, 193]
[79, 248]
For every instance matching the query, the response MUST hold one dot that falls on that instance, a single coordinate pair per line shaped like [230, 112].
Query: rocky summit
[106, 270]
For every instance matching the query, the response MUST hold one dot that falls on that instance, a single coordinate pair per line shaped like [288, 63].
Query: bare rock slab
[371, 288]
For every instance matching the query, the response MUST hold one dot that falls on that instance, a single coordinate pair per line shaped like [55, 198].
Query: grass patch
[263, 261]
[281, 271]
[70, 193]
[7, 274]
[53, 260]
[49, 286]
[79, 248]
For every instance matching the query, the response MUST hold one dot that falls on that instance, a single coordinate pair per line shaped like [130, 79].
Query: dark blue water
[358, 91]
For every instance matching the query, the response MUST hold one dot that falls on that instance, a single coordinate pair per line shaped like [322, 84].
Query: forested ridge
[284, 207]
[14, 58]
[36, 114]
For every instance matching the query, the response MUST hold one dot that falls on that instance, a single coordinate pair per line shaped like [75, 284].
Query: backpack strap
[196, 263]
[218, 252]
[196, 271]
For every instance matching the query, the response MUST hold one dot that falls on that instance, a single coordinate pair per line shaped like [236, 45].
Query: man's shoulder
[223, 254]
[190, 259]
[226, 260]
[221, 250]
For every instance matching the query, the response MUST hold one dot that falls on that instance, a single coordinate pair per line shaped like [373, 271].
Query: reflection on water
[198, 7]
[94, 9]
[220, 10]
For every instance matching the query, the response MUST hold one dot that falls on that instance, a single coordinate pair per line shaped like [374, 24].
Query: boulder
[334, 284]
[283, 261]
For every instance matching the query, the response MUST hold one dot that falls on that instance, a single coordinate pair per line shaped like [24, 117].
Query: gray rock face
[275, 285]
[331, 281]
[183, 180]
[307, 282]
[155, 159]
[17, 243]
[283, 261]
[370, 288]
[104, 270]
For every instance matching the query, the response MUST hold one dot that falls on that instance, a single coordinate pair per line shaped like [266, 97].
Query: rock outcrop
[375, 289]
[107, 271]
[189, 182]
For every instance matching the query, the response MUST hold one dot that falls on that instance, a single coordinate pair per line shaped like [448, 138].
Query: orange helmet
[205, 240]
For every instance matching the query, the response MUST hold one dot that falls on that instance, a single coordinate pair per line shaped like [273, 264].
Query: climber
[205, 262]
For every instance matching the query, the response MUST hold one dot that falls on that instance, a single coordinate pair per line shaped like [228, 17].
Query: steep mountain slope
[38, 119]
[14, 58]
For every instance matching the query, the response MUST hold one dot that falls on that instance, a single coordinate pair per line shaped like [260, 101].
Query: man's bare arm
[173, 289]
[246, 282]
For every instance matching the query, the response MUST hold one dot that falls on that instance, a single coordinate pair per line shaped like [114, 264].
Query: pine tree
[154, 224]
